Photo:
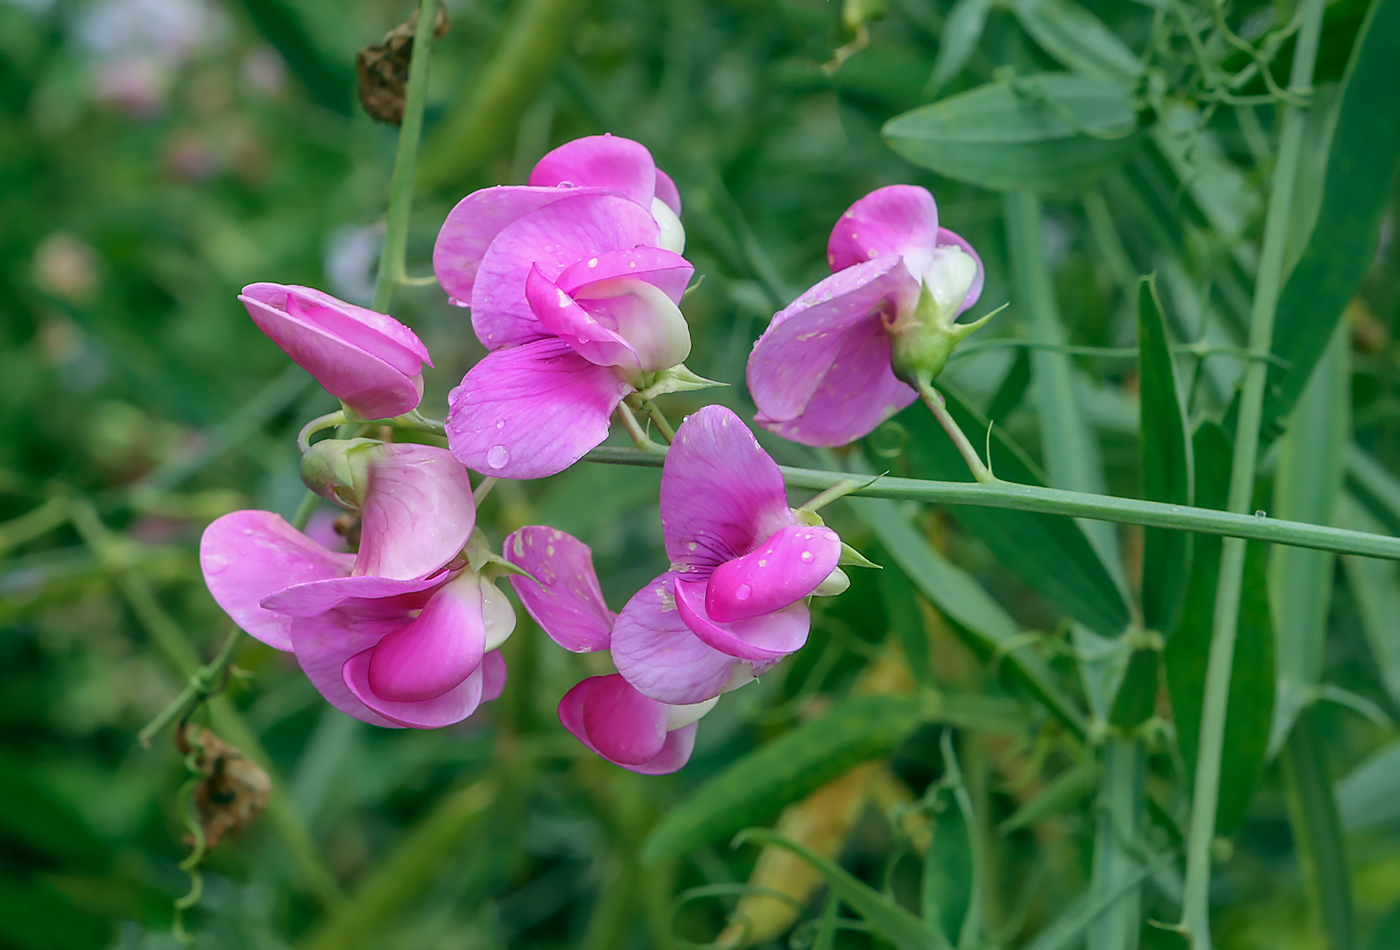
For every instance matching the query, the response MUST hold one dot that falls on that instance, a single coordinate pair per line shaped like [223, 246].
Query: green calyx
[338, 469]
[922, 341]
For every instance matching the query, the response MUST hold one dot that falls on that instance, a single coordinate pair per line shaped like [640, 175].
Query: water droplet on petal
[806, 555]
[567, 184]
[457, 303]
[500, 423]
[593, 262]
[498, 456]
[742, 592]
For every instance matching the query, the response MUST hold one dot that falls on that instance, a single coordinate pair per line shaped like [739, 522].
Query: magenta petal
[623, 725]
[437, 650]
[897, 219]
[369, 361]
[858, 392]
[418, 512]
[657, 266]
[766, 638]
[562, 591]
[474, 223]
[946, 237]
[675, 748]
[309, 599]
[720, 492]
[667, 191]
[785, 568]
[560, 315]
[574, 228]
[600, 161]
[456, 704]
[657, 653]
[797, 350]
[248, 556]
[493, 676]
[325, 642]
[531, 411]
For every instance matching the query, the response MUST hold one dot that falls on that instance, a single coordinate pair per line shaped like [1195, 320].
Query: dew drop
[457, 303]
[742, 592]
[593, 262]
[500, 423]
[806, 555]
[567, 184]
[498, 456]
[1261, 513]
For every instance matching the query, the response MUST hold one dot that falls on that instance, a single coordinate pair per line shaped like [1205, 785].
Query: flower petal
[946, 237]
[574, 228]
[644, 316]
[453, 706]
[675, 748]
[858, 392]
[559, 314]
[247, 556]
[896, 219]
[562, 592]
[795, 353]
[785, 568]
[667, 191]
[666, 270]
[493, 676]
[418, 511]
[600, 161]
[437, 650]
[374, 332]
[309, 599]
[766, 638]
[720, 492]
[325, 642]
[657, 653]
[623, 725]
[531, 411]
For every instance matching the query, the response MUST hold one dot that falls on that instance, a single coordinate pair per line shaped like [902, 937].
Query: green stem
[1119, 808]
[391, 260]
[936, 405]
[1195, 912]
[1056, 501]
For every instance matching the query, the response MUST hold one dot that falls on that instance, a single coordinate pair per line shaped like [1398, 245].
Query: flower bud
[921, 340]
[338, 470]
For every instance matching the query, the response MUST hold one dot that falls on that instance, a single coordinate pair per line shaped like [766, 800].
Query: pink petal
[437, 650]
[247, 556]
[896, 219]
[563, 596]
[666, 270]
[623, 725]
[675, 748]
[600, 161]
[598, 342]
[667, 191]
[325, 642]
[785, 568]
[456, 704]
[362, 368]
[644, 316]
[531, 411]
[309, 599]
[658, 654]
[474, 223]
[720, 493]
[493, 676]
[795, 353]
[946, 237]
[858, 392]
[418, 512]
[574, 228]
[766, 638]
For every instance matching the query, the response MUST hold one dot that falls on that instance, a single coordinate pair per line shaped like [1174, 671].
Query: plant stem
[936, 405]
[1195, 912]
[1055, 501]
[391, 260]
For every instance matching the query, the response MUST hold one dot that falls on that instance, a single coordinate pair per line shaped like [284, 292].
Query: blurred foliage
[157, 155]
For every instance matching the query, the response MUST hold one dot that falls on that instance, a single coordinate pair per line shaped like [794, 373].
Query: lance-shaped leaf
[1078, 39]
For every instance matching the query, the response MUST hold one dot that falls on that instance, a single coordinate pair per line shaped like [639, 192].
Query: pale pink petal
[656, 652]
[766, 638]
[667, 191]
[896, 219]
[325, 642]
[858, 392]
[559, 314]
[623, 725]
[720, 492]
[247, 556]
[574, 228]
[666, 270]
[784, 569]
[600, 161]
[456, 704]
[531, 411]
[437, 650]
[795, 353]
[675, 748]
[643, 315]
[493, 676]
[375, 332]
[474, 223]
[309, 599]
[562, 591]
[417, 514]
[366, 380]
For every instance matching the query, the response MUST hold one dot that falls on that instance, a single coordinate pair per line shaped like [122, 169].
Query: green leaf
[1251, 697]
[1361, 168]
[1078, 39]
[1136, 698]
[950, 894]
[1068, 929]
[961, 33]
[1166, 464]
[1386, 934]
[1375, 589]
[1060, 794]
[983, 625]
[1370, 794]
[1307, 481]
[1046, 132]
[906, 621]
[754, 789]
[1013, 388]
[1050, 553]
[894, 923]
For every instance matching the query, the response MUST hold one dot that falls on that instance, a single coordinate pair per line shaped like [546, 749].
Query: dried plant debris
[233, 790]
[383, 69]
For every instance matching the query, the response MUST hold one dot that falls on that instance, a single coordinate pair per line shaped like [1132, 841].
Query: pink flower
[574, 283]
[841, 358]
[369, 361]
[400, 633]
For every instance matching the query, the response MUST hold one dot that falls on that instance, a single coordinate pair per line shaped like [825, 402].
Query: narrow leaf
[1062, 793]
[1370, 794]
[961, 33]
[1375, 589]
[1077, 38]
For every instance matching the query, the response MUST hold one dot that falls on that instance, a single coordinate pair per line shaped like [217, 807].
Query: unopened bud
[338, 470]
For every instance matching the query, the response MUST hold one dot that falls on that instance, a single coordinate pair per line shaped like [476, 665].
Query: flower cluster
[574, 283]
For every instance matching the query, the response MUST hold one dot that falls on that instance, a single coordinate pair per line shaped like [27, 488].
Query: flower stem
[634, 429]
[327, 421]
[1195, 911]
[1055, 501]
[392, 272]
[936, 404]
